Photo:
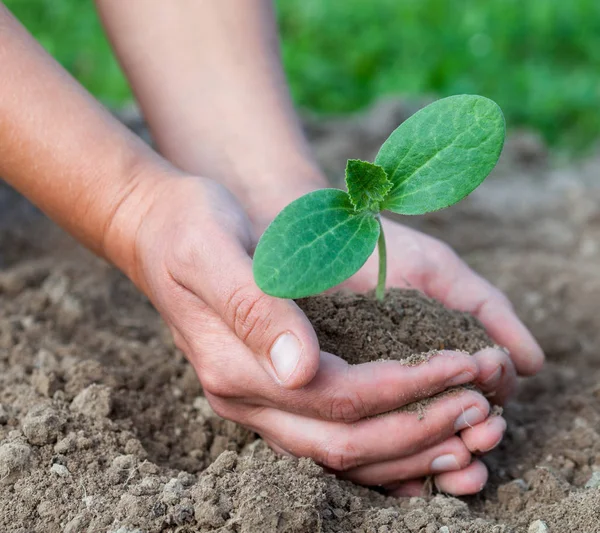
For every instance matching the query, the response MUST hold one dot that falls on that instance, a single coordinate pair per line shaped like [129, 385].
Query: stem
[380, 291]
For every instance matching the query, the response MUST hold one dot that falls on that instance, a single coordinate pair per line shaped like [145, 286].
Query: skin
[223, 111]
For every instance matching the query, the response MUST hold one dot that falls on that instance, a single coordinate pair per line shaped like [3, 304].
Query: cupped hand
[259, 362]
[418, 261]
[421, 262]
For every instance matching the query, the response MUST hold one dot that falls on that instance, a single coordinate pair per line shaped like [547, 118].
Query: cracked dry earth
[104, 428]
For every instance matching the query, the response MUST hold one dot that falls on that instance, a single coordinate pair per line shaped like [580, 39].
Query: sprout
[431, 161]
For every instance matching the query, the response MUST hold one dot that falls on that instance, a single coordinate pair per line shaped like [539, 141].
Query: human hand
[421, 262]
[259, 363]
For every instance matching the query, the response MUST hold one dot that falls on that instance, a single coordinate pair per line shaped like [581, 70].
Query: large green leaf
[442, 153]
[315, 243]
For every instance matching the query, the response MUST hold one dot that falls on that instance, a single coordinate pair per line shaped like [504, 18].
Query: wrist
[145, 184]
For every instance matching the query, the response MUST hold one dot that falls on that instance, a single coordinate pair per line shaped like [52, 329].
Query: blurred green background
[539, 59]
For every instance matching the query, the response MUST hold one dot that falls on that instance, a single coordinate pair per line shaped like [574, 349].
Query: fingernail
[463, 377]
[494, 379]
[285, 355]
[492, 446]
[496, 420]
[444, 463]
[469, 418]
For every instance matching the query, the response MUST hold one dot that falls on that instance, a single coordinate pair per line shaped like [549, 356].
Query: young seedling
[431, 161]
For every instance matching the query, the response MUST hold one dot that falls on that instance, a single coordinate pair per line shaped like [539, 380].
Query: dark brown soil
[406, 326]
[104, 428]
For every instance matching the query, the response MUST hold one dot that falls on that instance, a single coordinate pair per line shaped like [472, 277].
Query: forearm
[63, 151]
[209, 80]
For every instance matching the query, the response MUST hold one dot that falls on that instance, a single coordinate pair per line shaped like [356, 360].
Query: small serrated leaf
[315, 243]
[367, 184]
[442, 153]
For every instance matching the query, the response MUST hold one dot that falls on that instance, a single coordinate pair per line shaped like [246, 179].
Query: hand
[421, 262]
[259, 361]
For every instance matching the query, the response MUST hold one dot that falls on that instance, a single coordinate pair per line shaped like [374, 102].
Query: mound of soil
[104, 428]
[406, 326]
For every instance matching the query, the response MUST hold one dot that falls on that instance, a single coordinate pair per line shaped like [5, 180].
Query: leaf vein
[310, 244]
[428, 161]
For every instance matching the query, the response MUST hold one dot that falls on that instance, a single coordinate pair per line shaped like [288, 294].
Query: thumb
[276, 330]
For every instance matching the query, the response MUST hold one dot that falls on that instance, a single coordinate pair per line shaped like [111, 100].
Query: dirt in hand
[406, 326]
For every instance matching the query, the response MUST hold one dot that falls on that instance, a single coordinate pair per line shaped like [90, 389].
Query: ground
[103, 426]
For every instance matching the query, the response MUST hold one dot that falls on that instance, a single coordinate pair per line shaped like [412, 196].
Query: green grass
[540, 59]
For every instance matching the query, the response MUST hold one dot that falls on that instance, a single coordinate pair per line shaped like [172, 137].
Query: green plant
[431, 161]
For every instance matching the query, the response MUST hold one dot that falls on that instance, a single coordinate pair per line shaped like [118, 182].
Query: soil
[406, 326]
[104, 428]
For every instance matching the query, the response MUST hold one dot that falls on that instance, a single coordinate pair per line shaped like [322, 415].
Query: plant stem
[380, 291]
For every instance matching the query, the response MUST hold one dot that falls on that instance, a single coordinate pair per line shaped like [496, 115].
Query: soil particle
[173, 492]
[27, 274]
[43, 425]
[78, 524]
[417, 519]
[60, 470]
[15, 457]
[594, 481]
[94, 400]
[46, 384]
[538, 527]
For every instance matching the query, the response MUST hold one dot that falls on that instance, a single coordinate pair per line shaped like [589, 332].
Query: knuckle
[215, 383]
[460, 451]
[250, 313]
[341, 457]
[219, 407]
[183, 253]
[349, 407]
[491, 295]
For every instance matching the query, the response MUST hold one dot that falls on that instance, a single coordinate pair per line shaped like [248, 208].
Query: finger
[484, 436]
[470, 480]
[277, 449]
[470, 292]
[507, 330]
[408, 489]
[344, 446]
[497, 377]
[447, 456]
[275, 330]
[348, 393]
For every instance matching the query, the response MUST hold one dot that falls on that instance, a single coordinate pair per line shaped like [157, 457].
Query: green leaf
[315, 243]
[442, 153]
[367, 185]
